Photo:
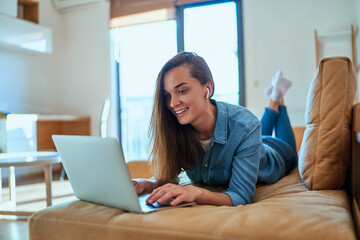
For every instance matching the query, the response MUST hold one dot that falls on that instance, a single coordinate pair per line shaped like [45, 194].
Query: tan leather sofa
[287, 209]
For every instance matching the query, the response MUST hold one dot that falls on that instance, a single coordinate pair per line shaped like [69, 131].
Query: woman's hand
[139, 186]
[179, 193]
[143, 185]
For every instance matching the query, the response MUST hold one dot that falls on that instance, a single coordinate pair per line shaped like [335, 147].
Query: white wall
[27, 77]
[74, 79]
[279, 34]
[85, 81]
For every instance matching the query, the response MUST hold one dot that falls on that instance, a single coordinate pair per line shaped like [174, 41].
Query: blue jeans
[284, 141]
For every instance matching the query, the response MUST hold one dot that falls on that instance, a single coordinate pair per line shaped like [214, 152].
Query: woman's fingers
[139, 186]
[172, 193]
[179, 199]
[168, 191]
[161, 194]
[156, 195]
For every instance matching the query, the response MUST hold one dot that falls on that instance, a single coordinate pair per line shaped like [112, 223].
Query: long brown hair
[174, 147]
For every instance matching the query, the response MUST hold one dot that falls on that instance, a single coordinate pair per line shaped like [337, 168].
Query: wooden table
[48, 125]
[41, 127]
[12, 160]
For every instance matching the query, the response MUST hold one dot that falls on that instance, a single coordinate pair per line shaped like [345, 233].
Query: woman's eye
[182, 91]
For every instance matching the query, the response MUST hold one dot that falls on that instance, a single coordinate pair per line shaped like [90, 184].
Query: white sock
[268, 90]
[280, 86]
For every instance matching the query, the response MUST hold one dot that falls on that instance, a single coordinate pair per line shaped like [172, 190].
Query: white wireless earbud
[208, 92]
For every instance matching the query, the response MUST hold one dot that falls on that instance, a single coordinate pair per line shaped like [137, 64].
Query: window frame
[181, 45]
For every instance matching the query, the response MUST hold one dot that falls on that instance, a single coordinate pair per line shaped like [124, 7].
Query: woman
[216, 143]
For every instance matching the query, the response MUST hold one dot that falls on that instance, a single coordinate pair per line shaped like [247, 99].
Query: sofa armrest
[299, 135]
[355, 162]
[356, 121]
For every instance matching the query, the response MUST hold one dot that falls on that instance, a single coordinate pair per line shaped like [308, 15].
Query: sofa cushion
[324, 155]
[284, 210]
[356, 118]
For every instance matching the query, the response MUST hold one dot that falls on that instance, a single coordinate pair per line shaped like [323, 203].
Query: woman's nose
[174, 101]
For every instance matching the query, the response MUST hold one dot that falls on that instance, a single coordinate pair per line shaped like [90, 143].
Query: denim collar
[221, 126]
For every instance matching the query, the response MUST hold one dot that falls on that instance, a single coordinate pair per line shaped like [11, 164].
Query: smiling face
[185, 96]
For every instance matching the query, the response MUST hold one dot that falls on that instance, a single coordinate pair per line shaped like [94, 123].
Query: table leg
[12, 184]
[48, 179]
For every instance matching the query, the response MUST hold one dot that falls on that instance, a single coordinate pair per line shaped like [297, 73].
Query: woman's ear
[209, 90]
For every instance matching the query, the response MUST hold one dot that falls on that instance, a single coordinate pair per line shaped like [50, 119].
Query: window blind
[120, 8]
[130, 12]
[184, 2]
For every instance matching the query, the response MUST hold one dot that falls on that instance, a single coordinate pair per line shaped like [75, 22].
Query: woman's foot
[274, 105]
[279, 86]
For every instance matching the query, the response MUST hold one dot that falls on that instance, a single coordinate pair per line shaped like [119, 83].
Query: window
[211, 32]
[142, 51]
[209, 29]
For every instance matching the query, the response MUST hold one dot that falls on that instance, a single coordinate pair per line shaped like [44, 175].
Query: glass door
[211, 31]
[142, 51]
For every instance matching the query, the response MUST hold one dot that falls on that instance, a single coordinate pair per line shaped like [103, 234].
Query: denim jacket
[235, 154]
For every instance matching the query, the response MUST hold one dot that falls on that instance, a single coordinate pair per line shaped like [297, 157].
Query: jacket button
[206, 165]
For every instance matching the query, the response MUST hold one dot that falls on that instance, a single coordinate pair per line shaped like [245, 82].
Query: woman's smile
[181, 112]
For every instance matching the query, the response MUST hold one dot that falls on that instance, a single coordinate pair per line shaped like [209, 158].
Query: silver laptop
[98, 173]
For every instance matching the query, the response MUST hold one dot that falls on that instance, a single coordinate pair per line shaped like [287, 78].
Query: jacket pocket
[193, 175]
[220, 176]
